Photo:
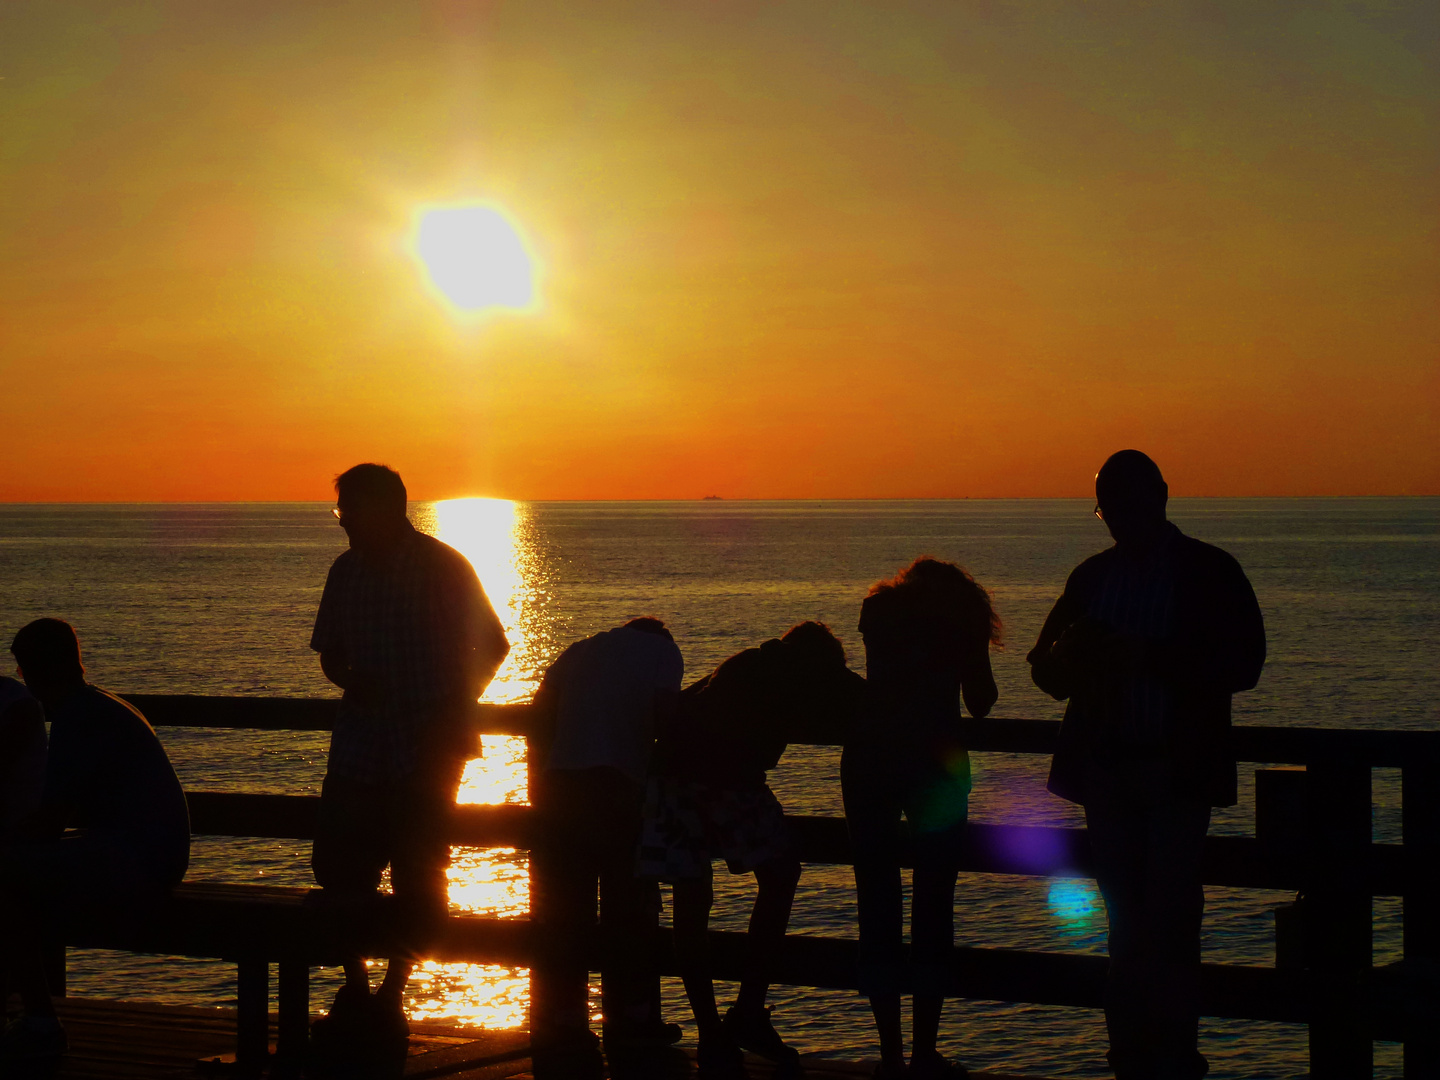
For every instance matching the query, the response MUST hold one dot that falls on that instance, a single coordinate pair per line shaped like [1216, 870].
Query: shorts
[688, 823]
[364, 827]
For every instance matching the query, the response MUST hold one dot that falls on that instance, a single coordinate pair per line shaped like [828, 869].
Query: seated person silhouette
[708, 799]
[23, 744]
[108, 780]
[928, 633]
[593, 726]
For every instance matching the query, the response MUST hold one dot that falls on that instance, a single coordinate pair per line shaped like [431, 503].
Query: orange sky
[789, 250]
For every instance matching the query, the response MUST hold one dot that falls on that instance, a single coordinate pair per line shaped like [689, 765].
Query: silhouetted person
[1149, 641]
[405, 629]
[708, 799]
[594, 722]
[23, 743]
[928, 633]
[107, 779]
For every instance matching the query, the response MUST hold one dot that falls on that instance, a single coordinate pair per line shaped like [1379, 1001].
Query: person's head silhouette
[648, 624]
[47, 652]
[1130, 497]
[370, 503]
[812, 646]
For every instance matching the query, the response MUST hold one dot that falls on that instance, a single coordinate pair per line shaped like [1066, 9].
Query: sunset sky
[789, 250]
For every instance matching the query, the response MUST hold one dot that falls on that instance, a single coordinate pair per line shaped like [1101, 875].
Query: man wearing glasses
[1149, 641]
[406, 631]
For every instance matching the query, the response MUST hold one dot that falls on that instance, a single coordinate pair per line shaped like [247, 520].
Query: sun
[476, 259]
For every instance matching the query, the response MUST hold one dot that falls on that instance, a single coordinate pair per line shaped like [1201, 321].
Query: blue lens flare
[1074, 902]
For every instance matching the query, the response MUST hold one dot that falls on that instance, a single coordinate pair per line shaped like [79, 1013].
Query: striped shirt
[413, 623]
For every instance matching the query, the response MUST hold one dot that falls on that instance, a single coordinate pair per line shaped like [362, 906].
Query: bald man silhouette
[1148, 642]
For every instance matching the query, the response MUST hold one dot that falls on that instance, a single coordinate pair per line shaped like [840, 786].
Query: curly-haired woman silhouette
[928, 633]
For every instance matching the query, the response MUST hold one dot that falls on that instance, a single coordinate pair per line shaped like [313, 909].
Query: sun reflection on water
[496, 535]
[501, 776]
[474, 995]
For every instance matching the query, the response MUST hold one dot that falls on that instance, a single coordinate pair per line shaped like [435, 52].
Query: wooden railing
[1313, 833]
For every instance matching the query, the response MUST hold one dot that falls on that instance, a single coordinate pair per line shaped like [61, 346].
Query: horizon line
[691, 499]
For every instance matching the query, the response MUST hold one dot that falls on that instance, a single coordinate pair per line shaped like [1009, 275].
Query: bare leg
[926, 1021]
[693, 900]
[932, 932]
[879, 895]
[392, 988]
[886, 1009]
[768, 922]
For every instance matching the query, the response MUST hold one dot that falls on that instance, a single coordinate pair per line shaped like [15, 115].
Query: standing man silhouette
[405, 629]
[1149, 641]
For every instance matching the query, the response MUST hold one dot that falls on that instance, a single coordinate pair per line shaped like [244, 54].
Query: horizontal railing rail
[1027, 850]
[1275, 745]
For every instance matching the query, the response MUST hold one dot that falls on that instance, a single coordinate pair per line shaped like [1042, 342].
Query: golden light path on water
[492, 534]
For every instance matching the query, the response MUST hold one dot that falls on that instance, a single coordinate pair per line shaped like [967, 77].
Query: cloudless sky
[823, 249]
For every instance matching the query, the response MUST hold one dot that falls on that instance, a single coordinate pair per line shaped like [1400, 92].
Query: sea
[220, 599]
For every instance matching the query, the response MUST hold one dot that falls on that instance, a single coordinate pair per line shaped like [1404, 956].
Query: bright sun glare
[476, 258]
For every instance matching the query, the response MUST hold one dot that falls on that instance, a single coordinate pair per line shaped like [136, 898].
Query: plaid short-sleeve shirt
[412, 622]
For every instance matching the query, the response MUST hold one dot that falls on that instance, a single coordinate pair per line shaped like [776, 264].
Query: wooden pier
[1313, 833]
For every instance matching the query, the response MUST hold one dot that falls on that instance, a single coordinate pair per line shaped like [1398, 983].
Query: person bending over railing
[592, 731]
[708, 799]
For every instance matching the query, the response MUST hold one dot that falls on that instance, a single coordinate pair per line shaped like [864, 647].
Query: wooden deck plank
[121, 1040]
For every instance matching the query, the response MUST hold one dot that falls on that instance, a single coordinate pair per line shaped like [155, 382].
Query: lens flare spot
[476, 259]
[1073, 901]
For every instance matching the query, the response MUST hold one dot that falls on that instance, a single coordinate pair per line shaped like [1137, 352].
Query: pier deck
[123, 1040]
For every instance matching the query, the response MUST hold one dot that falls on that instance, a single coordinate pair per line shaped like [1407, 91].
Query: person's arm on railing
[667, 711]
[540, 727]
[360, 686]
[1049, 669]
[488, 645]
[336, 667]
[77, 752]
[977, 685]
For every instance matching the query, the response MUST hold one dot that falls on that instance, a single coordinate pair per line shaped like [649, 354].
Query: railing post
[52, 957]
[252, 1014]
[1420, 795]
[540, 992]
[1338, 910]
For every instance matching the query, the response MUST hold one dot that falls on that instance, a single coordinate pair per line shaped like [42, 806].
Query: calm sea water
[219, 599]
